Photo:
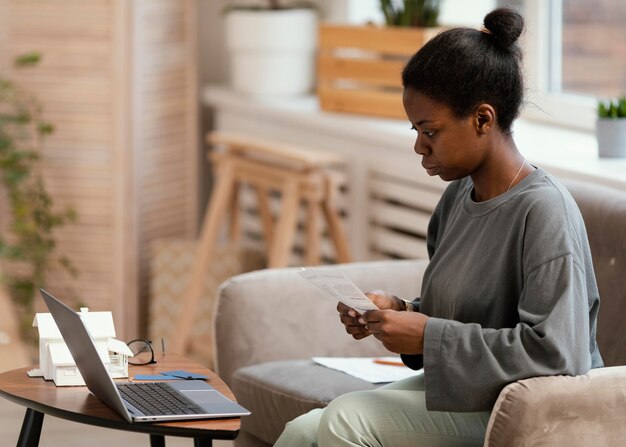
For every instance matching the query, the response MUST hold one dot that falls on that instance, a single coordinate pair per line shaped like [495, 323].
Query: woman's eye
[428, 133]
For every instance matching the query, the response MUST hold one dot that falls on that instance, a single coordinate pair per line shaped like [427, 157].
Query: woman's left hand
[400, 332]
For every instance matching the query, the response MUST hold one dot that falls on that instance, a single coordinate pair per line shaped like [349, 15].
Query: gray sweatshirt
[510, 290]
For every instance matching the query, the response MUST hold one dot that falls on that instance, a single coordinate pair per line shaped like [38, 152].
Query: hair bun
[505, 25]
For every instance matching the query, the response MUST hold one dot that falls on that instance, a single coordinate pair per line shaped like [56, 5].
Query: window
[589, 47]
[575, 52]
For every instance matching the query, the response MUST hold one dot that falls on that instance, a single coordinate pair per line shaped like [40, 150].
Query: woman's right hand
[353, 321]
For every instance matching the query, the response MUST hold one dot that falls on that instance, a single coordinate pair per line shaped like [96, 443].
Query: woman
[509, 292]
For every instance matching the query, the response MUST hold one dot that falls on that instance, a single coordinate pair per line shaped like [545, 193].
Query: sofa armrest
[561, 411]
[275, 314]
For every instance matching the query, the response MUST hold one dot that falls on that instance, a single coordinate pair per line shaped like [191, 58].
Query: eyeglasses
[143, 354]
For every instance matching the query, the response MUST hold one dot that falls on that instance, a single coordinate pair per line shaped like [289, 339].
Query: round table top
[76, 403]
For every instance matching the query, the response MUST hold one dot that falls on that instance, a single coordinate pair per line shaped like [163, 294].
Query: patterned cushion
[172, 263]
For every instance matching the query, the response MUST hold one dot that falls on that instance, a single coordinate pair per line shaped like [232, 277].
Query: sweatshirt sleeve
[414, 361]
[467, 365]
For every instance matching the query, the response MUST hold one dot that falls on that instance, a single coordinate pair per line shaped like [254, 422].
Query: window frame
[543, 71]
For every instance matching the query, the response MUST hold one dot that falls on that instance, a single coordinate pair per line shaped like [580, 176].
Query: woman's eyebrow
[419, 123]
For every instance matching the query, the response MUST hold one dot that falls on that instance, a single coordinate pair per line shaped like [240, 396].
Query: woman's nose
[419, 147]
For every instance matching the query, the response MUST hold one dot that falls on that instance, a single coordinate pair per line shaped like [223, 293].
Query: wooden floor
[58, 432]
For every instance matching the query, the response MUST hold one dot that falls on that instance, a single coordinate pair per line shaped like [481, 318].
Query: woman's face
[449, 146]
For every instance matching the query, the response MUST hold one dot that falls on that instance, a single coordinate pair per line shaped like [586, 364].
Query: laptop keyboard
[155, 399]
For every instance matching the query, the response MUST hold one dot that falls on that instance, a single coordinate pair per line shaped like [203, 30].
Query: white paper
[367, 369]
[35, 372]
[337, 285]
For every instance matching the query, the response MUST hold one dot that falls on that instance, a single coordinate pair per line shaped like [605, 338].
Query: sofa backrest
[271, 315]
[604, 212]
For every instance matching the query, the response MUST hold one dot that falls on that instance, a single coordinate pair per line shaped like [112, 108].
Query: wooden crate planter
[359, 67]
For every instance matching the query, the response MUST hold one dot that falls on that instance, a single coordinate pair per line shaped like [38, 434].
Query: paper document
[366, 368]
[337, 285]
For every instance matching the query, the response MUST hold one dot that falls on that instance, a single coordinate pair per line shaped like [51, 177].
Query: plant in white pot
[611, 128]
[272, 47]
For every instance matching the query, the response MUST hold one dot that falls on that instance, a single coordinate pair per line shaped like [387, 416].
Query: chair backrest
[604, 212]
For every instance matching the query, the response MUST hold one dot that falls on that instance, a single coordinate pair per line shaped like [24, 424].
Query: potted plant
[611, 128]
[359, 66]
[27, 243]
[416, 13]
[272, 47]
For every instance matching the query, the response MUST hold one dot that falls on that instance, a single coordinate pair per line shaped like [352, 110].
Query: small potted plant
[272, 47]
[414, 13]
[611, 128]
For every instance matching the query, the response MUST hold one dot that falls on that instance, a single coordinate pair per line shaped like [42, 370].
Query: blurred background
[116, 99]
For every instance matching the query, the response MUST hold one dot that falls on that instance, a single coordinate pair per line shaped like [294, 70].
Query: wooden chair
[297, 174]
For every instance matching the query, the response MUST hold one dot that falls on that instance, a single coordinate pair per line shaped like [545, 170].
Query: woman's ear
[485, 118]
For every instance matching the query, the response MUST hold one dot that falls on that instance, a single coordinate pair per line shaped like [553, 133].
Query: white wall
[464, 12]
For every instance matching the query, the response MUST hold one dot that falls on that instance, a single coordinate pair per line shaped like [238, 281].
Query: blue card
[155, 377]
[181, 374]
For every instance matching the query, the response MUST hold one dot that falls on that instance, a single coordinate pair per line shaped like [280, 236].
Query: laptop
[138, 402]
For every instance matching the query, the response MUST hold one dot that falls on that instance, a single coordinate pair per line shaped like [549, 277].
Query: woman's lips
[432, 170]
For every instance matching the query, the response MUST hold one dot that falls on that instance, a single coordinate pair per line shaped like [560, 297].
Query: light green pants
[393, 415]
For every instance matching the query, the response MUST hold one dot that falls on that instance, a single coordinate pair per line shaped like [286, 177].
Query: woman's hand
[353, 321]
[400, 332]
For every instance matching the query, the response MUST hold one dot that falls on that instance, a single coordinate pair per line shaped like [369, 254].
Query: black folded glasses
[143, 353]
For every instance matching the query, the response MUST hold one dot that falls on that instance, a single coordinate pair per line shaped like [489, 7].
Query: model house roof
[60, 355]
[99, 325]
[119, 347]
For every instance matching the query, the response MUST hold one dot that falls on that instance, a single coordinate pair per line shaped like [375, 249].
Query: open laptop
[138, 402]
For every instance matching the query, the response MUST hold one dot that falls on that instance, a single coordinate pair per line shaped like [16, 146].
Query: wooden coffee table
[78, 404]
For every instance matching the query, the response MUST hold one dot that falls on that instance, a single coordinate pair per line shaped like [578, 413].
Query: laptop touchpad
[205, 396]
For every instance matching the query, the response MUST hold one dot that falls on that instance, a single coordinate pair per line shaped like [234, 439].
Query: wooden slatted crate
[359, 67]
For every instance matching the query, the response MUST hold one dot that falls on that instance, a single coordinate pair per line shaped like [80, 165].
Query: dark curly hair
[464, 67]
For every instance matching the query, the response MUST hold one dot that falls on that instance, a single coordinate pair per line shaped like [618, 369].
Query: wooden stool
[266, 166]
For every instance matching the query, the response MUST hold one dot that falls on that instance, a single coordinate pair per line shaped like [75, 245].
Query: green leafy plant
[424, 13]
[612, 108]
[27, 245]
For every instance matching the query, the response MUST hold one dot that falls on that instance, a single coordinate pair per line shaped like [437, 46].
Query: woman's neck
[503, 168]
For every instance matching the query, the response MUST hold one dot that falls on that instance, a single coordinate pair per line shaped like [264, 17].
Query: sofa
[269, 323]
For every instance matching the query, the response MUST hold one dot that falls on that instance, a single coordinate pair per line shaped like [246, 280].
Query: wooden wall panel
[166, 105]
[118, 81]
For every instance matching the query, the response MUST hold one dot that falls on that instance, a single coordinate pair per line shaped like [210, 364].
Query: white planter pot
[272, 52]
[611, 134]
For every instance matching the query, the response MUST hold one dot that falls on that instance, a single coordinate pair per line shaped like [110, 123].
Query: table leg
[31, 429]
[202, 442]
[157, 441]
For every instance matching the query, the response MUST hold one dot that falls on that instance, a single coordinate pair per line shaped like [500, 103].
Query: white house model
[55, 360]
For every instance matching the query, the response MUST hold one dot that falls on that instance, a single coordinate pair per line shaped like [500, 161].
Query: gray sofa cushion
[277, 392]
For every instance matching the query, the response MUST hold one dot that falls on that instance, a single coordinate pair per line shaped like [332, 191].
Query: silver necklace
[516, 175]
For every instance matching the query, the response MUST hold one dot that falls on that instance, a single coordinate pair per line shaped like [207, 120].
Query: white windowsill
[564, 152]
